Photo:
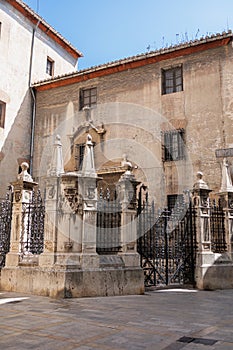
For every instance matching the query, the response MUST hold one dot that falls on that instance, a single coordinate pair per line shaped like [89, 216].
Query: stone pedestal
[48, 257]
[213, 270]
[22, 192]
[226, 200]
[205, 257]
[127, 194]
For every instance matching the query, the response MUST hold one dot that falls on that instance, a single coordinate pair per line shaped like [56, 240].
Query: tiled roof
[44, 26]
[172, 50]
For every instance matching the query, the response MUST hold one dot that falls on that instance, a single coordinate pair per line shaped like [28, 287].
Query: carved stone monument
[69, 265]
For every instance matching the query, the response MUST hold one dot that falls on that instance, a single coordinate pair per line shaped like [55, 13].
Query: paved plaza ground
[165, 319]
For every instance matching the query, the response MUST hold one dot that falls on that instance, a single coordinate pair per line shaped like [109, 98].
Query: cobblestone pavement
[169, 320]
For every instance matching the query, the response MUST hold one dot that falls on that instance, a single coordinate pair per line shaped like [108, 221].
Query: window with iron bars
[173, 201]
[172, 80]
[173, 145]
[88, 97]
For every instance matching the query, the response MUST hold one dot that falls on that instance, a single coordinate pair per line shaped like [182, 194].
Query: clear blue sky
[107, 30]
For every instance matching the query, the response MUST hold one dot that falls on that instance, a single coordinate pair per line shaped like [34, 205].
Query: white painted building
[31, 50]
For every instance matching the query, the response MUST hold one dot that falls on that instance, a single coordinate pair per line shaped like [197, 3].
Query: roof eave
[44, 26]
[134, 62]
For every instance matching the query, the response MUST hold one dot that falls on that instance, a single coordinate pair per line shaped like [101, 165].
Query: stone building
[31, 50]
[168, 112]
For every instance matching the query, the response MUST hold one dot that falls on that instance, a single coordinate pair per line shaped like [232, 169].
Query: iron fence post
[166, 246]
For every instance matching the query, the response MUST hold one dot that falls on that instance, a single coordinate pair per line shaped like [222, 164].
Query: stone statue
[126, 163]
[24, 175]
[200, 183]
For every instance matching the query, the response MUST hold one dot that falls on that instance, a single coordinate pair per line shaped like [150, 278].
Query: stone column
[205, 257]
[47, 258]
[87, 188]
[226, 200]
[127, 193]
[52, 194]
[22, 192]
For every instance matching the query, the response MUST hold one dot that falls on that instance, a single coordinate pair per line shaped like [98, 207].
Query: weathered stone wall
[134, 112]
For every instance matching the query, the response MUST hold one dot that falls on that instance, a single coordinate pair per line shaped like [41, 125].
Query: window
[88, 97]
[79, 154]
[173, 145]
[0, 29]
[50, 66]
[174, 201]
[2, 114]
[172, 80]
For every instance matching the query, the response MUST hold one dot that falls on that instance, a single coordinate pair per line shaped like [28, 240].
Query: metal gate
[108, 226]
[167, 245]
[32, 234]
[5, 226]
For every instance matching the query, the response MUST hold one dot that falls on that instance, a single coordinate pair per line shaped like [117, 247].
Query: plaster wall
[15, 46]
[134, 112]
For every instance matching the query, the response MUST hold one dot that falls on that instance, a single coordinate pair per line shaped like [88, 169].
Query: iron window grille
[2, 114]
[172, 80]
[88, 97]
[50, 66]
[173, 145]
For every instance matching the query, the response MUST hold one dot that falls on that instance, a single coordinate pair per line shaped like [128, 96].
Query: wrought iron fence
[217, 228]
[167, 245]
[32, 233]
[108, 226]
[5, 226]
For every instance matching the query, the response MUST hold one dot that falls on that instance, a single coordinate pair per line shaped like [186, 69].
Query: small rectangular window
[88, 97]
[172, 80]
[174, 202]
[173, 144]
[0, 29]
[50, 66]
[79, 154]
[2, 114]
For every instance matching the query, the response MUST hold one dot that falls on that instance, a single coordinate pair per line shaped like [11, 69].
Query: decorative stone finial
[200, 183]
[57, 166]
[226, 185]
[88, 165]
[24, 175]
[89, 140]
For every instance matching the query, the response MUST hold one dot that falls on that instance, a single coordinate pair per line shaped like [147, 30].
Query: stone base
[217, 275]
[61, 283]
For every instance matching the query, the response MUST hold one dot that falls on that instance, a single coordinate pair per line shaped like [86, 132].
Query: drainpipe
[33, 99]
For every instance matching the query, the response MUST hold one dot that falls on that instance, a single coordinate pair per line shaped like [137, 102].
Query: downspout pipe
[33, 113]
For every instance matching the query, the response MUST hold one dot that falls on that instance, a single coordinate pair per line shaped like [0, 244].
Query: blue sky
[107, 30]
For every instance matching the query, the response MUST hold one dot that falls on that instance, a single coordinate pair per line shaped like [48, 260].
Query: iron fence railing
[5, 226]
[32, 230]
[108, 227]
[217, 229]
